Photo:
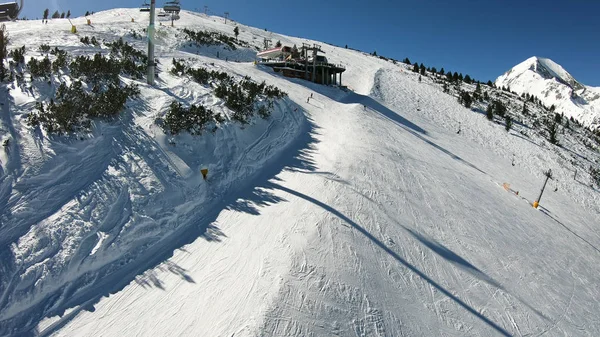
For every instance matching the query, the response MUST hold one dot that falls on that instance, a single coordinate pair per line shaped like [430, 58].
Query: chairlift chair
[145, 7]
[172, 6]
[9, 11]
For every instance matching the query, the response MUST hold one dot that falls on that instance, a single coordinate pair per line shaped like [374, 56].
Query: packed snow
[361, 211]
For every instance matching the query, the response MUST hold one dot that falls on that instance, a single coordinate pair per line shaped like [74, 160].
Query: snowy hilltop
[554, 86]
[397, 202]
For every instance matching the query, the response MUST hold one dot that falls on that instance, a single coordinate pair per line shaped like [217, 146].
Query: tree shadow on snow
[372, 104]
[275, 186]
[546, 212]
[247, 196]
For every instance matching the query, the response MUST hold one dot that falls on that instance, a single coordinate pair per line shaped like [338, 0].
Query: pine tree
[468, 79]
[406, 61]
[236, 32]
[416, 68]
[3, 50]
[489, 112]
[278, 44]
[346, 47]
[478, 88]
[442, 72]
[56, 15]
[87, 13]
[558, 118]
[508, 123]
[490, 84]
[68, 13]
[449, 76]
[460, 77]
[62, 15]
[524, 112]
[374, 53]
[465, 98]
[423, 71]
[455, 77]
[433, 70]
[46, 12]
[552, 132]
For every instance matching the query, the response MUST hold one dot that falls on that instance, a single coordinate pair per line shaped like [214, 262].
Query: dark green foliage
[374, 52]
[56, 15]
[73, 107]
[524, 112]
[552, 133]
[498, 108]
[44, 48]
[595, 174]
[62, 15]
[87, 13]
[18, 55]
[486, 96]
[245, 98]
[449, 76]
[46, 12]
[125, 60]
[552, 107]
[442, 71]
[433, 70]
[422, 68]
[96, 69]
[490, 84]
[508, 123]
[416, 67]
[61, 60]
[192, 119]
[489, 112]
[465, 99]
[3, 51]
[178, 68]
[236, 31]
[460, 77]
[41, 68]
[203, 38]
[455, 77]
[406, 61]
[131, 61]
[558, 118]
[468, 79]
[68, 13]
[478, 88]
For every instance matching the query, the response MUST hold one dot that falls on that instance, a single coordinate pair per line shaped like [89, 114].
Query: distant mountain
[553, 85]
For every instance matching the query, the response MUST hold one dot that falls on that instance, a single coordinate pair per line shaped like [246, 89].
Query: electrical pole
[548, 175]
[226, 16]
[151, 43]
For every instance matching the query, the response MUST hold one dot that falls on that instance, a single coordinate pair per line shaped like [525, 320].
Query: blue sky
[482, 38]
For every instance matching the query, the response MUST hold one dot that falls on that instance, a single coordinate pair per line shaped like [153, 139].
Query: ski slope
[357, 213]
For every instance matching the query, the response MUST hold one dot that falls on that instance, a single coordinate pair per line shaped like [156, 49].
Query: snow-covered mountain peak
[546, 68]
[553, 85]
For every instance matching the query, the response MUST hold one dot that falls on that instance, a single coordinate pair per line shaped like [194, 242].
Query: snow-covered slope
[355, 213]
[553, 85]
